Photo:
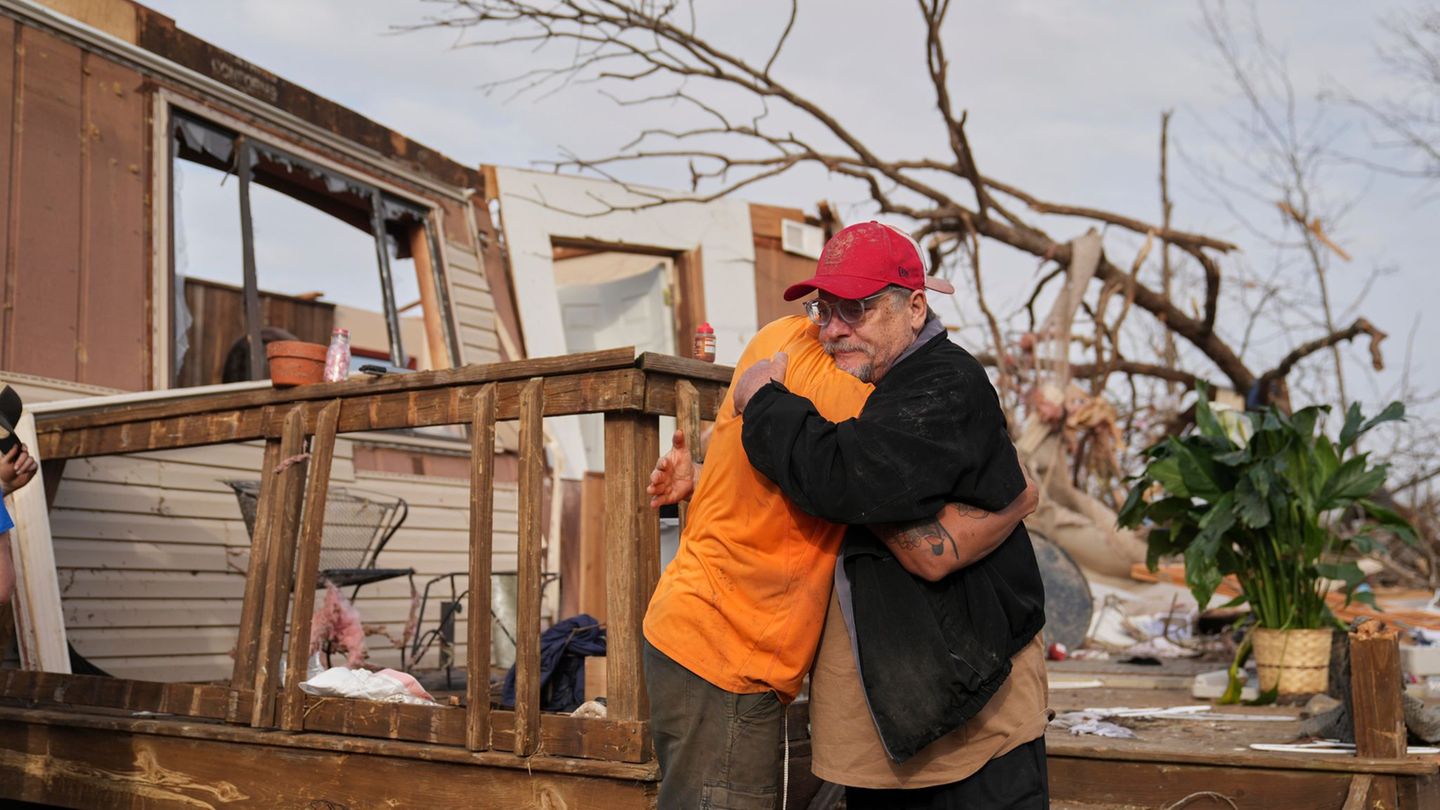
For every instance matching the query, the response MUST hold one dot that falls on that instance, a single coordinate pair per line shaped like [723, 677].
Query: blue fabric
[562, 664]
[6, 524]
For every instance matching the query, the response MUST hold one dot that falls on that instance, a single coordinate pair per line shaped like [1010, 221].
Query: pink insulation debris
[336, 624]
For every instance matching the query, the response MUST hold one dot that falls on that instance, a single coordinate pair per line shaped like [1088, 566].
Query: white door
[628, 311]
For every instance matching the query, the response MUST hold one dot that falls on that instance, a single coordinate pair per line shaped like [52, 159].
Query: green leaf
[1200, 474]
[1353, 420]
[1234, 685]
[1362, 543]
[1205, 420]
[1347, 572]
[1395, 411]
[1355, 479]
[1304, 421]
[1135, 507]
[1389, 520]
[1168, 510]
[1166, 473]
[1327, 460]
[1202, 569]
[1250, 505]
[1157, 545]
[1235, 458]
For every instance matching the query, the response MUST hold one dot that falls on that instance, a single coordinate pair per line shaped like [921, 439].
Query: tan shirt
[846, 747]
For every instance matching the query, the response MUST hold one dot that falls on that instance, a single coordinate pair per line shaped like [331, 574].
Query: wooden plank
[41, 721]
[689, 305]
[589, 737]
[1377, 704]
[592, 546]
[530, 569]
[438, 346]
[243, 675]
[168, 404]
[482, 516]
[632, 537]
[558, 734]
[307, 566]
[660, 395]
[1143, 784]
[46, 217]
[284, 506]
[9, 93]
[1078, 748]
[687, 367]
[1375, 691]
[114, 329]
[360, 411]
[687, 422]
[128, 766]
[39, 620]
[1359, 789]
[441, 725]
[51, 688]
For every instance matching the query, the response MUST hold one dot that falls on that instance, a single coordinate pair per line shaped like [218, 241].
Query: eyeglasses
[851, 310]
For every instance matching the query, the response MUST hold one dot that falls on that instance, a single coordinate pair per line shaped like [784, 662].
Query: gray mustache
[842, 346]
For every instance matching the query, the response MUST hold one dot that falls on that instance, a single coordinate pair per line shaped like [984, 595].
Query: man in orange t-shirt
[735, 620]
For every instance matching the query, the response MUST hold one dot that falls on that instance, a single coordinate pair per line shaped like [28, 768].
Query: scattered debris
[1331, 747]
[1087, 722]
[385, 686]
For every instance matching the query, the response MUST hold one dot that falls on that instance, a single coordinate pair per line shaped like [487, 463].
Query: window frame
[246, 139]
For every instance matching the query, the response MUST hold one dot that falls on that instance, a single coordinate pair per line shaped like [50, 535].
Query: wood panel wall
[217, 313]
[151, 549]
[774, 268]
[74, 165]
[152, 554]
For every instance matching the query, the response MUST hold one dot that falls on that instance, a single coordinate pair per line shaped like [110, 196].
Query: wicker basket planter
[1297, 661]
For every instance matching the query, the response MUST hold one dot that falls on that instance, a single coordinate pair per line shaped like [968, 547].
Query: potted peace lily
[1259, 495]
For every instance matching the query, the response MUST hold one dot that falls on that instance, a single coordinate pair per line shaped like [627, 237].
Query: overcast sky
[1064, 100]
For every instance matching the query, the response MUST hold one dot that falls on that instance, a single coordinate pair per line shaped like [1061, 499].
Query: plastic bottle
[337, 357]
[705, 343]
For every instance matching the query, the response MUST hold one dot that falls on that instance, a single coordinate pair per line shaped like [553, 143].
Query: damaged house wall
[151, 548]
[543, 211]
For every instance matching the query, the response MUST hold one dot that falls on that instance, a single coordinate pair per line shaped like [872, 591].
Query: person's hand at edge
[17, 467]
[674, 476]
[757, 377]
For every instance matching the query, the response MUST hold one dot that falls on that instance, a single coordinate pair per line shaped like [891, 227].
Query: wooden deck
[258, 741]
[1209, 761]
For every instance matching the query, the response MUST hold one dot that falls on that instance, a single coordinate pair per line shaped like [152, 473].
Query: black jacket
[930, 654]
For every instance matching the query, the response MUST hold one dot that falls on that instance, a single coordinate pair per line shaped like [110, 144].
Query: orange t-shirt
[743, 602]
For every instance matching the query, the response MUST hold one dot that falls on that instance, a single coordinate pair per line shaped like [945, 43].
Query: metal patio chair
[357, 526]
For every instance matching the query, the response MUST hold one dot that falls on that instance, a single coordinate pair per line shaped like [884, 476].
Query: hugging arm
[959, 535]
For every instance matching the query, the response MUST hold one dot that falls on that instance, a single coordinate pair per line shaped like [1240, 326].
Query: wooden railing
[632, 393]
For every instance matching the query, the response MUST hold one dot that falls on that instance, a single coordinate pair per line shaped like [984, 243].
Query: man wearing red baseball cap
[952, 670]
[736, 618]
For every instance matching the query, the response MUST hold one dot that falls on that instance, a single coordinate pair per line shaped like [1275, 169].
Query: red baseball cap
[867, 257]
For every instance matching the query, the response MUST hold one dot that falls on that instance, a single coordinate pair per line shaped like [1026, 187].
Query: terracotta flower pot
[1297, 661]
[295, 362]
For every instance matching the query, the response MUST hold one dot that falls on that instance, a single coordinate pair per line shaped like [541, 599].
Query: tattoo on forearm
[911, 536]
[972, 512]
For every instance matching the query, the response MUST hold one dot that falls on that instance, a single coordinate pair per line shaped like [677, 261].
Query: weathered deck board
[156, 764]
[482, 542]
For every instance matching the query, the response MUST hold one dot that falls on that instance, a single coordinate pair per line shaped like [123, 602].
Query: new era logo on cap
[867, 257]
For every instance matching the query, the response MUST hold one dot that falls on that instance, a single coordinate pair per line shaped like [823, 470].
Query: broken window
[271, 246]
